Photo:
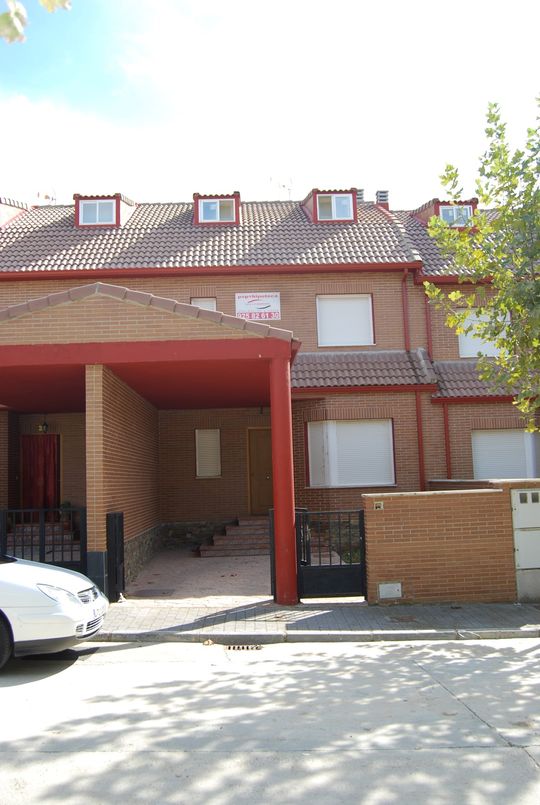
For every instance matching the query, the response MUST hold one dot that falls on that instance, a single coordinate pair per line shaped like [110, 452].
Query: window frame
[343, 342]
[199, 475]
[454, 208]
[96, 203]
[467, 341]
[330, 446]
[334, 217]
[219, 220]
[531, 452]
[196, 300]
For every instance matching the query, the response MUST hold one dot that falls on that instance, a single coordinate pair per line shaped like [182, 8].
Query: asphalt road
[319, 723]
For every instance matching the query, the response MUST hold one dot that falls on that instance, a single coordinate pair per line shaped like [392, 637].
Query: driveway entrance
[177, 573]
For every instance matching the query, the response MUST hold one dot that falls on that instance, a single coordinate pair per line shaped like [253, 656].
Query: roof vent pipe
[382, 197]
[360, 196]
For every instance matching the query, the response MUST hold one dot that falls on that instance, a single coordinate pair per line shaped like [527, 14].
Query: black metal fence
[55, 536]
[330, 549]
[330, 553]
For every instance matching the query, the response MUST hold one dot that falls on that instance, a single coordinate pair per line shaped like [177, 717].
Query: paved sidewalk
[174, 599]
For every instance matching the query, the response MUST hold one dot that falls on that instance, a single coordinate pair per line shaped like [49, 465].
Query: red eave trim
[360, 389]
[111, 352]
[116, 273]
[462, 400]
[447, 279]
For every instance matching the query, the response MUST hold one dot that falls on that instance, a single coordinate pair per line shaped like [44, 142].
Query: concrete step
[253, 521]
[209, 551]
[261, 542]
[247, 529]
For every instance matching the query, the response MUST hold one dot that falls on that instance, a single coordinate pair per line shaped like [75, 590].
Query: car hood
[22, 571]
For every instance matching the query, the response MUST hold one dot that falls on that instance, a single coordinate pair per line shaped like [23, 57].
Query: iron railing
[56, 536]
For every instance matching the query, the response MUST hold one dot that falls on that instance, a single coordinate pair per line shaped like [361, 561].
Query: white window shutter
[364, 453]
[208, 450]
[500, 454]
[344, 320]
[318, 454]
[351, 453]
[470, 344]
[204, 302]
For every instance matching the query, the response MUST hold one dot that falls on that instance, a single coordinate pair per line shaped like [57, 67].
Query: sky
[158, 99]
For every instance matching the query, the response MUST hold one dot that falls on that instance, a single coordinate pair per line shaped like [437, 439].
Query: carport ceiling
[167, 385]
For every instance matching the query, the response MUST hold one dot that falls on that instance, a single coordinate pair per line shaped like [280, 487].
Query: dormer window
[324, 206]
[114, 210]
[216, 209]
[97, 212]
[456, 214]
[335, 207]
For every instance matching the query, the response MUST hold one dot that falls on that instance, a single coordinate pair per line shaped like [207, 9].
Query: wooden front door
[260, 470]
[40, 471]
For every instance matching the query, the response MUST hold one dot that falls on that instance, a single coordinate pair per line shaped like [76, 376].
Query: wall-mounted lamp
[44, 427]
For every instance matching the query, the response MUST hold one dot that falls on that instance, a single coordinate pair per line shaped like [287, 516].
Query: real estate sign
[259, 306]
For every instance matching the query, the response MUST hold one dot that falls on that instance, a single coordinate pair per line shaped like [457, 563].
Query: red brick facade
[122, 452]
[441, 546]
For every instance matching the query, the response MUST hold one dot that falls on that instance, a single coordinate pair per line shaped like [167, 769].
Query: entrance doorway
[40, 471]
[260, 470]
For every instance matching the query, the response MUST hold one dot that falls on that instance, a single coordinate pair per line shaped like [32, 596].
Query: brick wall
[122, 457]
[401, 408]
[463, 419]
[442, 546]
[183, 497]
[97, 319]
[298, 302]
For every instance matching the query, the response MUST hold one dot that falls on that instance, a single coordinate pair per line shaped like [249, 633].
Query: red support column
[283, 475]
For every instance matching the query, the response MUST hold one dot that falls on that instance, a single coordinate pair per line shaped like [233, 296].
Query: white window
[335, 207]
[470, 344]
[206, 302]
[351, 453]
[208, 450]
[344, 320]
[456, 214]
[505, 454]
[97, 212]
[216, 209]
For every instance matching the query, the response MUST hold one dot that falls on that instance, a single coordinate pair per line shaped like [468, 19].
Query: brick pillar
[95, 483]
[283, 475]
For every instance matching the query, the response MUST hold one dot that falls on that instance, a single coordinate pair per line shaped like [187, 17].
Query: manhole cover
[153, 593]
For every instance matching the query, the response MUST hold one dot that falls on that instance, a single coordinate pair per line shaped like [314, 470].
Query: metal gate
[330, 553]
[115, 555]
[55, 536]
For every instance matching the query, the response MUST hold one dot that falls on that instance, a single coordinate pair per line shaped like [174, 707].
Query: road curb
[304, 636]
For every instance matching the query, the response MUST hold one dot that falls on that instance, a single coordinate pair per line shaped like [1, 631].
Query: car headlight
[58, 594]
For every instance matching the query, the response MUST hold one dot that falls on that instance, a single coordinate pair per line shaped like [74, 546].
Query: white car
[45, 608]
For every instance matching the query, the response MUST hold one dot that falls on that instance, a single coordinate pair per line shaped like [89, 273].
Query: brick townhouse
[192, 363]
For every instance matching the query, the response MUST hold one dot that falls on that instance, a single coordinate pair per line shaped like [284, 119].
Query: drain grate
[255, 647]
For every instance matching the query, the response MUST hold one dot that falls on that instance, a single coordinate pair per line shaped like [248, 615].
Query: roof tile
[163, 235]
[358, 369]
[461, 379]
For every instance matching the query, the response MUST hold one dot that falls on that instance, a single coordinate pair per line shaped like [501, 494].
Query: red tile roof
[374, 368]
[461, 379]
[273, 233]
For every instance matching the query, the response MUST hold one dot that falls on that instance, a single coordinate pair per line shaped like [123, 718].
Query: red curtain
[40, 471]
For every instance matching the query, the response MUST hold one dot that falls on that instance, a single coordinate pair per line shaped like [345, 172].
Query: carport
[119, 356]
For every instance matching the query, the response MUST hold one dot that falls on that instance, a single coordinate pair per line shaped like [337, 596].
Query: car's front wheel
[5, 642]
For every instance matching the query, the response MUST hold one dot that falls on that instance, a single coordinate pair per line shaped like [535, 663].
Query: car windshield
[4, 559]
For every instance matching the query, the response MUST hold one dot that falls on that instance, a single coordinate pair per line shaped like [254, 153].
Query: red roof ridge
[141, 298]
